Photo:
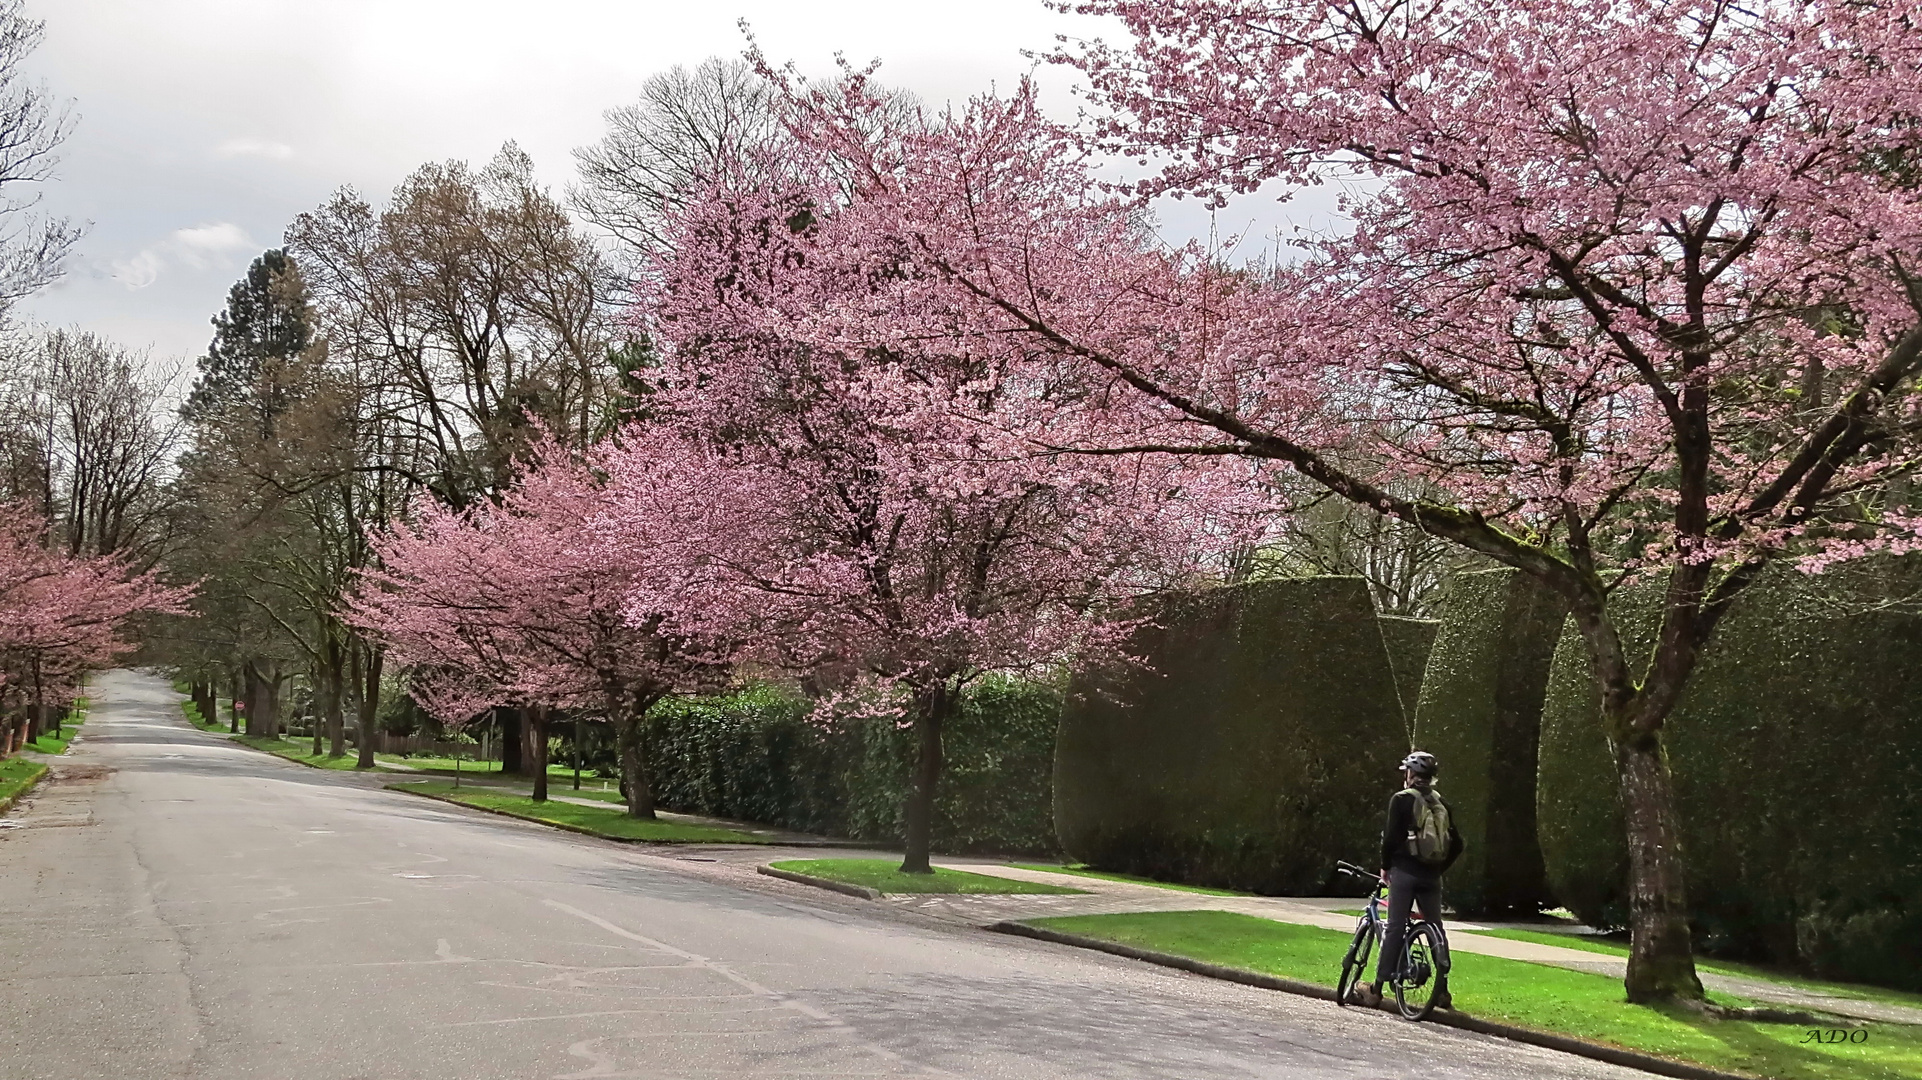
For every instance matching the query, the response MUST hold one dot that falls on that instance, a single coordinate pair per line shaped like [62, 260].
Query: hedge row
[1409, 643]
[1797, 757]
[1256, 748]
[1480, 714]
[758, 755]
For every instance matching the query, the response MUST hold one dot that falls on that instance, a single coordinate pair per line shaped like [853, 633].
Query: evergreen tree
[268, 323]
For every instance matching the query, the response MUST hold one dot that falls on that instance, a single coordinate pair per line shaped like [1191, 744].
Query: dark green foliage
[1259, 748]
[1480, 714]
[1797, 756]
[758, 756]
[266, 325]
[1408, 642]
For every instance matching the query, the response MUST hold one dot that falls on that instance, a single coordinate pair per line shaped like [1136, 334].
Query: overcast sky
[203, 126]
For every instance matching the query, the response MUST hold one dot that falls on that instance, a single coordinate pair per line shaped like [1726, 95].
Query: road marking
[783, 1000]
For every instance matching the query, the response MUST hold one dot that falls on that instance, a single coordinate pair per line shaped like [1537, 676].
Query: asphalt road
[177, 906]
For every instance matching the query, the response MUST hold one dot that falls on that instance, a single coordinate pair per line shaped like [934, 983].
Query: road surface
[178, 906]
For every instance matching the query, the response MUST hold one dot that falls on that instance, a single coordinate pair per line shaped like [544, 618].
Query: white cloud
[260, 148]
[197, 248]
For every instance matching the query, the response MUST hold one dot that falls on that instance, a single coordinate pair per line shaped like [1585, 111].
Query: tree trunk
[936, 701]
[629, 717]
[578, 749]
[511, 742]
[537, 729]
[251, 697]
[368, 690]
[1661, 962]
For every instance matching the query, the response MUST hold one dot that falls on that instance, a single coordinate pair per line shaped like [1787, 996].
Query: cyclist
[1418, 846]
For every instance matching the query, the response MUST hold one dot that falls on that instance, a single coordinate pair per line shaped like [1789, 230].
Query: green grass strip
[883, 875]
[1080, 870]
[610, 822]
[192, 712]
[1610, 946]
[54, 742]
[301, 752]
[16, 776]
[1527, 995]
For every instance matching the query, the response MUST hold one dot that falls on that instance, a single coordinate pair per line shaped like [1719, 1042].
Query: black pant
[1406, 890]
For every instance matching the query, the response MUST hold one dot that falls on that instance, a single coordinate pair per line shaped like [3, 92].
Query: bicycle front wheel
[1354, 964]
[1421, 972]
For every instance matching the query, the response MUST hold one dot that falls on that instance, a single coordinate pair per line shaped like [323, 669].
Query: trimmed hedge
[1480, 713]
[1408, 642]
[1257, 748]
[757, 755]
[1797, 756]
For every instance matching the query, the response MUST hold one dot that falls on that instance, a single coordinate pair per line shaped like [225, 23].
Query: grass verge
[1610, 946]
[882, 875]
[54, 742]
[611, 823]
[16, 776]
[192, 713]
[1079, 870]
[301, 751]
[1526, 995]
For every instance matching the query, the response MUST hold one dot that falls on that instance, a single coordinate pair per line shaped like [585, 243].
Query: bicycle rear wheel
[1421, 973]
[1354, 964]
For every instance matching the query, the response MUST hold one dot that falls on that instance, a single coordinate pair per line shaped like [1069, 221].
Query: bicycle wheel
[1421, 975]
[1354, 964]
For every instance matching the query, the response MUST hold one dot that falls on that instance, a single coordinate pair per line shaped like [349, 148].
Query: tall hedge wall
[1257, 747]
[757, 756]
[1797, 756]
[1480, 713]
[1408, 642]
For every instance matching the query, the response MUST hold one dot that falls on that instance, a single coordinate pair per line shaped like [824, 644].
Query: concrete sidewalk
[1117, 897]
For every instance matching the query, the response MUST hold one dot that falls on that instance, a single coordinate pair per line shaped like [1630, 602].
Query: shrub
[1257, 747]
[1408, 642]
[1480, 713]
[757, 755]
[1796, 750]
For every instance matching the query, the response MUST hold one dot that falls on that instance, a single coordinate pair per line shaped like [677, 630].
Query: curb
[861, 891]
[6, 804]
[561, 825]
[1632, 1059]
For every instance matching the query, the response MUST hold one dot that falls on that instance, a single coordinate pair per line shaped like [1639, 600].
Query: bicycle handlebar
[1354, 871]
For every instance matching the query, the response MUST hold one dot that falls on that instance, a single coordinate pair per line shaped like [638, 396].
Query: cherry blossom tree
[1630, 290]
[64, 615]
[842, 477]
[522, 603]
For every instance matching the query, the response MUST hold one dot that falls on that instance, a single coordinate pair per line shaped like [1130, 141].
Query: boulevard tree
[1630, 291]
[523, 603]
[852, 496]
[61, 616]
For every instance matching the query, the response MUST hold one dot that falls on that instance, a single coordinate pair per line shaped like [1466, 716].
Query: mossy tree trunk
[1661, 963]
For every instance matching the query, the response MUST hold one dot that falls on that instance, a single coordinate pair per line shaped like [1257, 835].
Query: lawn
[882, 875]
[611, 822]
[301, 751]
[54, 742]
[1610, 946]
[192, 712]
[428, 764]
[16, 775]
[1526, 995]
[1079, 870]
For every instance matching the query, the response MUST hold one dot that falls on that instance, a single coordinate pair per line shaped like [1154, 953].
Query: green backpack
[1428, 840]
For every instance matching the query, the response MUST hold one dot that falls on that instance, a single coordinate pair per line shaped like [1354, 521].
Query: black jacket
[1394, 839]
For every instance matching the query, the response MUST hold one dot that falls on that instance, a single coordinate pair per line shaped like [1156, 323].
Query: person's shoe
[1443, 999]
[1367, 995]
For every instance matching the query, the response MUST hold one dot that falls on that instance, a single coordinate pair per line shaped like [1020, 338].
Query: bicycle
[1424, 958]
